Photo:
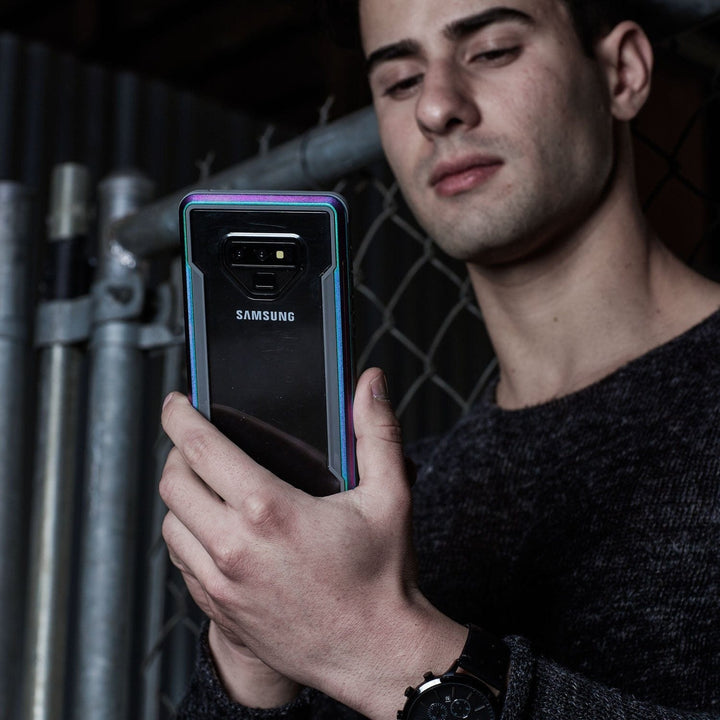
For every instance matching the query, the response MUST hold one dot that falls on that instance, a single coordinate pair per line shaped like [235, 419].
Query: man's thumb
[379, 438]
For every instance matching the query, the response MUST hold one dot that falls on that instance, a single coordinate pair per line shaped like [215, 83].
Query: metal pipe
[15, 323]
[315, 159]
[60, 390]
[157, 561]
[108, 547]
[45, 661]
[156, 571]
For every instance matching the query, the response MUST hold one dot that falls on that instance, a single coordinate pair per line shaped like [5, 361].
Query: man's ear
[626, 57]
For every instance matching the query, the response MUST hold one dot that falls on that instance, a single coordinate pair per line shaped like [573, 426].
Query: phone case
[267, 301]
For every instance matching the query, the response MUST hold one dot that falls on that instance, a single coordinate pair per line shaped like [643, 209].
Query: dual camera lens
[258, 255]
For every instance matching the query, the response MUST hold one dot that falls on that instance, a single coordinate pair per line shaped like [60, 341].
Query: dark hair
[591, 18]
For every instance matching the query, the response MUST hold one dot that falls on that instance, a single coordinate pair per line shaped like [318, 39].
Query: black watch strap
[486, 657]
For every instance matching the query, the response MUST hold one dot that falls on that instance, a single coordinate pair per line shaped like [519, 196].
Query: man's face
[494, 122]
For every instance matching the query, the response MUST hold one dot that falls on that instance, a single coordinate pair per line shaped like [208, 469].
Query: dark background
[272, 59]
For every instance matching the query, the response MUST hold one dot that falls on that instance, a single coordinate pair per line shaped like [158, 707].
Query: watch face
[452, 698]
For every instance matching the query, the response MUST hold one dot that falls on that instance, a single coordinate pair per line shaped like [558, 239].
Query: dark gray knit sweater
[586, 532]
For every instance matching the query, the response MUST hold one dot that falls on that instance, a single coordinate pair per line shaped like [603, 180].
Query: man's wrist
[472, 687]
[420, 640]
[247, 679]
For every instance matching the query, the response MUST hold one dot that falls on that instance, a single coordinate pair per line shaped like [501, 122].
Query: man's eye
[498, 56]
[402, 87]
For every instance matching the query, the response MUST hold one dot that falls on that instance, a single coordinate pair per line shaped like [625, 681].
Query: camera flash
[280, 254]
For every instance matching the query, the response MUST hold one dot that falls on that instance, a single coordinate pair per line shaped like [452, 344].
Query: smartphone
[268, 329]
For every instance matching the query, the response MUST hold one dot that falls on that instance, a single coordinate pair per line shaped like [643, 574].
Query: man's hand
[322, 590]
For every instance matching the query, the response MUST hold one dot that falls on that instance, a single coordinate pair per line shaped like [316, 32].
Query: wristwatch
[471, 689]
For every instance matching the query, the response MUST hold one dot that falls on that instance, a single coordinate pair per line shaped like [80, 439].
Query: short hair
[592, 19]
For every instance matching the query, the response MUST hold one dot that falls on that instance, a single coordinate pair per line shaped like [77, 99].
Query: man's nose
[446, 102]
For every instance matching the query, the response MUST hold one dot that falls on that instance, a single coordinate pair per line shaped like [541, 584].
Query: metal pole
[15, 322]
[108, 548]
[157, 562]
[168, 321]
[319, 157]
[60, 389]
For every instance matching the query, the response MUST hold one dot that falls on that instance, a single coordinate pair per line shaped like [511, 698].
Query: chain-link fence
[131, 626]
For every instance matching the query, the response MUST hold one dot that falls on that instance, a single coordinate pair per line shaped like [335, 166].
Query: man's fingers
[186, 551]
[198, 507]
[231, 473]
[379, 438]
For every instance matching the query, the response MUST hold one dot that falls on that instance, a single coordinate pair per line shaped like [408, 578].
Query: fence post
[157, 563]
[112, 444]
[16, 254]
[62, 322]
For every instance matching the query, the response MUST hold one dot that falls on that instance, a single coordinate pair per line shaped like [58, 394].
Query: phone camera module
[264, 265]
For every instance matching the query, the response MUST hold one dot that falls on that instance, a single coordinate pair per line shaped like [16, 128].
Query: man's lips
[453, 177]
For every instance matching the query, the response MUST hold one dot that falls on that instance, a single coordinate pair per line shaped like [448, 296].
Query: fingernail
[167, 399]
[379, 388]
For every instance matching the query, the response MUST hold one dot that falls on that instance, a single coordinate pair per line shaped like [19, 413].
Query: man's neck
[564, 321]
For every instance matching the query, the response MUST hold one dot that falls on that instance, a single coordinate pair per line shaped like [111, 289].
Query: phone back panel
[268, 329]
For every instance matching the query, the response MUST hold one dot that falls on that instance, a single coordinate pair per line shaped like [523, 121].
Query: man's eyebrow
[400, 49]
[456, 30]
[459, 29]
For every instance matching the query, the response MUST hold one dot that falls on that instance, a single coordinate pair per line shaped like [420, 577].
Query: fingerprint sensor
[264, 281]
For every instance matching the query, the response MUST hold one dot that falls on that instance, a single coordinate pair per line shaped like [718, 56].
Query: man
[575, 512]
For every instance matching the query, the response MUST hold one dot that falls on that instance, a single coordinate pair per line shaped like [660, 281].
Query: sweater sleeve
[207, 699]
[539, 689]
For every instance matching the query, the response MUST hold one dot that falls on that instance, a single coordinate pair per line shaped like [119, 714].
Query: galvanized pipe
[15, 324]
[157, 565]
[173, 378]
[315, 159]
[112, 474]
[56, 449]
[45, 660]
